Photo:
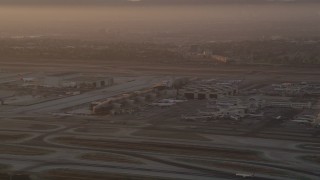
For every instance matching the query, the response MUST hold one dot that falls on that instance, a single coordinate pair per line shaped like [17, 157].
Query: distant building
[76, 80]
[295, 89]
[249, 104]
[286, 102]
[204, 90]
[239, 106]
[88, 82]
[57, 79]
[195, 49]
[116, 104]
[220, 59]
[289, 104]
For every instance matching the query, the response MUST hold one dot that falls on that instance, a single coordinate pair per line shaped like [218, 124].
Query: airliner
[26, 79]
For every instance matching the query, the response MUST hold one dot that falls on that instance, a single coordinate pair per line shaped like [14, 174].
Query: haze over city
[159, 89]
[209, 20]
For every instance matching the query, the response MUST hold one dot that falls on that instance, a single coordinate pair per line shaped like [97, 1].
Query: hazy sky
[204, 17]
[144, 2]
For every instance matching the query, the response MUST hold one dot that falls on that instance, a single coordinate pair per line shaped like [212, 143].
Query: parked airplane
[244, 175]
[278, 117]
[255, 115]
[235, 117]
[26, 79]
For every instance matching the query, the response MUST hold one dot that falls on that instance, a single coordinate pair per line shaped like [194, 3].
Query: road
[58, 104]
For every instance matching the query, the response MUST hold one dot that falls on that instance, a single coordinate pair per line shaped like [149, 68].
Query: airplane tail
[20, 77]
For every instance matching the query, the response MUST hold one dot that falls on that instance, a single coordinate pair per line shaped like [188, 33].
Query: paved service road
[56, 105]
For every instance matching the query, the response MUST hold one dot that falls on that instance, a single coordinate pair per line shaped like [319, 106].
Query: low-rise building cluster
[208, 90]
[294, 89]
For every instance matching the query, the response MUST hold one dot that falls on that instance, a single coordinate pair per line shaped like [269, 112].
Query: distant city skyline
[190, 19]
